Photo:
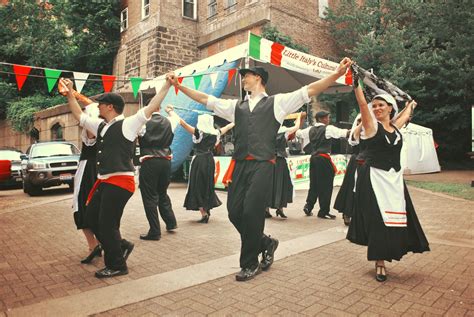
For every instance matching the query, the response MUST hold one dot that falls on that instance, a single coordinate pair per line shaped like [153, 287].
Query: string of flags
[22, 72]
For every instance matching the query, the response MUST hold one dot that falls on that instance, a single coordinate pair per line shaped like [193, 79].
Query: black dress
[88, 176]
[367, 226]
[201, 192]
[282, 192]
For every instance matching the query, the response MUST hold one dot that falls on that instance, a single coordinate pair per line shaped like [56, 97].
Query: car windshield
[56, 149]
[10, 155]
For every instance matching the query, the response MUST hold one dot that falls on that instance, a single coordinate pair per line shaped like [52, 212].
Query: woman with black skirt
[201, 194]
[282, 193]
[384, 218]
[84, 179]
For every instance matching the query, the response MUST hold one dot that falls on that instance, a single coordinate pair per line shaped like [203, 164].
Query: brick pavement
[41, 248]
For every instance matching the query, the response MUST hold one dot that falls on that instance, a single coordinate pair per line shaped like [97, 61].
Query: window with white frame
[145, 9]
[212, 8]
[322, 7]
[124, 20]
[190, 9]
[230, 3]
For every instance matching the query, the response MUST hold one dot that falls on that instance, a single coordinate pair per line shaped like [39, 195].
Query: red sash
[330, 160]
[227, 179]
[126, 182]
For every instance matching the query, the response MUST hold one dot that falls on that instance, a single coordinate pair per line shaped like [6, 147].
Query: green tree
[273, 34]
[423, 47]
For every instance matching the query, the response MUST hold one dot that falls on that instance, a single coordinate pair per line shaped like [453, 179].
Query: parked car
[48, 164]
[13, 178]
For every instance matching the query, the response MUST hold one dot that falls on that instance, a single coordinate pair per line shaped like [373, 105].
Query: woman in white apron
[384, 218]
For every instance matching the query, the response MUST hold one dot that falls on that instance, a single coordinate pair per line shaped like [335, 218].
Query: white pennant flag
[213, 78]
[80, 80]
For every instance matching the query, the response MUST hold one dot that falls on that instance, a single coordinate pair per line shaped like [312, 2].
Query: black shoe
[204, 219]
[268, 255]
[268, 214]
[279, 212]
[106, 272]
[127, 249]
[97, 251]
[247, 273]
[150, 237]
[307, 211]
[380, 273]
[171, 228]
[347, 220]
[327, 216]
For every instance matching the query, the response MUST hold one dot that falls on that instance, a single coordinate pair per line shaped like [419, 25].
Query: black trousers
[321, 179]
[104, 213]
[154, 180]
[249, 195]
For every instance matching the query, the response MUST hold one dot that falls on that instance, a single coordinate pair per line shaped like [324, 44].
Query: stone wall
[12, 138]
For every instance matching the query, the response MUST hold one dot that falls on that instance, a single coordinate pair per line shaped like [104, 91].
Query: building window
[231, 5]
[212, 8]
[124, 20]
[322, 7]
[56, 132]
[190, 9]
[145, 9]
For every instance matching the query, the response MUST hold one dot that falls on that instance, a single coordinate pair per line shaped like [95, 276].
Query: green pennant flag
[136, 81]
[197, 81]
[254, 46]
[52, 76]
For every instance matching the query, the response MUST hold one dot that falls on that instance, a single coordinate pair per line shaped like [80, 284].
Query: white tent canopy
[418, 154]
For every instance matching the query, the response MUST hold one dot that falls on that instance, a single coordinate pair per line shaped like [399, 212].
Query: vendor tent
[418, 154]
[218, 75]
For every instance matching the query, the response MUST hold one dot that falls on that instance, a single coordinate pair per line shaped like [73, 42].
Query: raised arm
[170, 111]
[195, 95]
[155, 103]
[226, 129]
[321, 85]
[68, 88]
[297, 125]
[405, 114]
[366, 117]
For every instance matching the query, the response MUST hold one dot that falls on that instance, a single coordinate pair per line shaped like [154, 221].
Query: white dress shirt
[331, 132]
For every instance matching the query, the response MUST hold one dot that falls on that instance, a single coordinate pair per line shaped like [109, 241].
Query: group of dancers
[373, 198]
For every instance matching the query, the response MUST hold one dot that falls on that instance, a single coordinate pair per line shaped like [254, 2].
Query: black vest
[281, 145]
[207, 143]
[114, 151]
[88, 152]
[255, 132]
[382, 154]
[158, 137]
[319, 143]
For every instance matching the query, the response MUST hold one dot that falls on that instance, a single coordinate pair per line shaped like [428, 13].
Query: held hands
[65, 86]
[343, 66]
[172, 79]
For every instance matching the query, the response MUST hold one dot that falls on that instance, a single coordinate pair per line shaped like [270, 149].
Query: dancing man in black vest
[257, 120]
[155, 172]
[321, 168]
[115, 184]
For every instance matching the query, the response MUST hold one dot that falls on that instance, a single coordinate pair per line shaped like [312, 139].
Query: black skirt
[367, 227]
[88, 179]
[345, 197]
[282, 193]
[201, 192]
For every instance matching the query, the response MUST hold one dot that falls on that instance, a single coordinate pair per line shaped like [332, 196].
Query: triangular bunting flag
[180, 80]
[80, 80]
[136, 82]
[21, 72]
[52, 76]
[231, 75]
[213, 78]
[108, 82]
[197, 81]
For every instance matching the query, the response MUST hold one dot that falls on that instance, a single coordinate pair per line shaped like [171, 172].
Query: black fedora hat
[257, 70]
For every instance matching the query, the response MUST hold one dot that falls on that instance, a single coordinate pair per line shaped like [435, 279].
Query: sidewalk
[317, 271]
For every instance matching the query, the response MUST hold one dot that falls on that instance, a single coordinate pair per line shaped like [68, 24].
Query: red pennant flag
[276, 55]
[108, 82]
[21, 72]
[231, 75]
[348, 78]
[180, 80]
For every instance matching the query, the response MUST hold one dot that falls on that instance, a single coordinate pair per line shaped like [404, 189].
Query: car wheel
[31, 189]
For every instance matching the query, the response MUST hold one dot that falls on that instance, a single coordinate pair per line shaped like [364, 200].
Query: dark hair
[118, 109]
[392, 113]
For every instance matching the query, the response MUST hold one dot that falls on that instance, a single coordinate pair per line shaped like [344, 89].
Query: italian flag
[265, 50]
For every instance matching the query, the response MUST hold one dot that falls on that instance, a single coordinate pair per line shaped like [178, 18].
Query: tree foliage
[273, 34]
[425, 48]
[61, 35]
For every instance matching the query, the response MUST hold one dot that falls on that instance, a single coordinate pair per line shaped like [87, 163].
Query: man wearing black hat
[115, 181]
[155, 172]
[257, 119]
[321, 169]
